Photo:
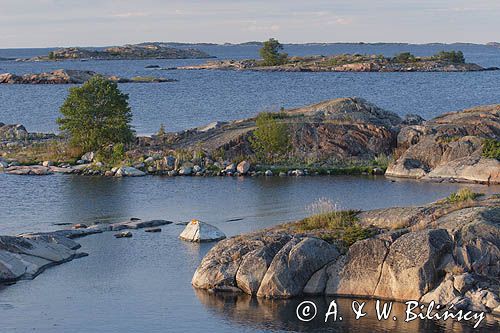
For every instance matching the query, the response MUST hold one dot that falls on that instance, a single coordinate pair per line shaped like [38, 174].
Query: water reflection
[264, 314]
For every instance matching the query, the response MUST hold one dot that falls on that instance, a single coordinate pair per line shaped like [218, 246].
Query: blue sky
[39, 23]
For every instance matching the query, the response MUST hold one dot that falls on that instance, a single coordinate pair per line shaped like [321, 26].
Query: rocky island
[126, 52]
[447, 252]
[341, 136]
[442, 62]
[71, 76]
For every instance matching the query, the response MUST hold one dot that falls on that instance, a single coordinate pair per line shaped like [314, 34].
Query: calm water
[204, 96]
[142, 284]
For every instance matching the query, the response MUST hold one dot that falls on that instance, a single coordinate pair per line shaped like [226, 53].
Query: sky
[52, 23]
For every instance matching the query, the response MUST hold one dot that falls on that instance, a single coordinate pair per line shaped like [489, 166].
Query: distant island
[404, 62]
[125, 52]
[67, 76]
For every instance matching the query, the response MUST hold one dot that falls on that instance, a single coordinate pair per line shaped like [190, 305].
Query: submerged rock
[197, 231]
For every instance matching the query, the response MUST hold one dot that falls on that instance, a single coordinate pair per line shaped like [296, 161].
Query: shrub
[404, 57]
[491, 148]
[329, 221]
[456, 57]
[270, 53]
[464, 194]
[96, 115]
[270, 140]
[354, 233]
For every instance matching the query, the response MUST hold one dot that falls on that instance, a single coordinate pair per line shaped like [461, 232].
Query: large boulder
[412, 266]
[256, 263]
[449, 147]
[129, 172]
[218, 268]
[359, 276]
[293, 266]
[197, 231]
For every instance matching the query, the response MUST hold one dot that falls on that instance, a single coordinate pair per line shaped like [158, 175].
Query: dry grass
[52, 150]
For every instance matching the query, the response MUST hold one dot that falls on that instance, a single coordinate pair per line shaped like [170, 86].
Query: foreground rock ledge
[449, 253]
[25, 256]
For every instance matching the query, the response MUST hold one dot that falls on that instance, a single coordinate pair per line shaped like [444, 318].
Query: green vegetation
[456, 57]
[491, 148]
[270, 53]
[404, 57]
[270, 140]
[335, 225]
[464, 194]
[52, 55]
[329, 221]
[161, 131]
[96, 115]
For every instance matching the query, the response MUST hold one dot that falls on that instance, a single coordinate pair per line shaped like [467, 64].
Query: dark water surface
[142, 284]
[201, 97]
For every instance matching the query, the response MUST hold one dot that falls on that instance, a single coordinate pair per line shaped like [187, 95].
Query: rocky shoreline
[68, 76]
[27, 255]
[343, 63]
[342, 136]
[446, 252]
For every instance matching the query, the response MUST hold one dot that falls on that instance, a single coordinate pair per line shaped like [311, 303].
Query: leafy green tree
[456, 57]
[270, 53]
[270, 140]
[404, 57]
[96, 115]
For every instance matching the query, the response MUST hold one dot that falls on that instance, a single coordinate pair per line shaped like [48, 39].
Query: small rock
[125, 234]
[88, 157]
[80, 226]
[268, 173]
[149, 160]
[170, 161]
[197, 231]
[153, 230]
[196, 169]
[243, 167]
[185, 171]
[47, 163]
[231, 168]
[378, 171]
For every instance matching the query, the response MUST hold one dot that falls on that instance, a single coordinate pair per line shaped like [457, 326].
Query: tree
[270, 53]
[96, 115]
[456, 57]
[404, 57]
[270, 140]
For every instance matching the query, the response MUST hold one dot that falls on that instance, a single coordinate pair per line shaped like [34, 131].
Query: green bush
[271, 55]
[456, 57]
[404, 57]
[270, 140]
[464, 194]
[329, 221]
[96, 115]
[491, 148]
[355, 233]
